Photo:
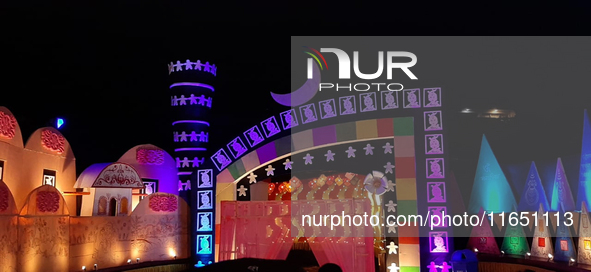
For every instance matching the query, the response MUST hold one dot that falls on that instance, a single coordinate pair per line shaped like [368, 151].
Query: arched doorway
[112, 207]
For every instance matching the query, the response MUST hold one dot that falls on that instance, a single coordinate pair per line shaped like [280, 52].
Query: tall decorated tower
[191, 89]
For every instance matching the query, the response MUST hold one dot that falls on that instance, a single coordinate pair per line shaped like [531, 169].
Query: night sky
[104, 69]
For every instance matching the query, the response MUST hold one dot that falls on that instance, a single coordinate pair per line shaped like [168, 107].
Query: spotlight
[137, 260]
[199, 264]
[209, 262]
[59, 122]
[174, 257]
[83, 268]
[95, 267]
[528, 254]
[128, 261]
[502, 252]
[475, 250]
[550, 257]
[571, 262]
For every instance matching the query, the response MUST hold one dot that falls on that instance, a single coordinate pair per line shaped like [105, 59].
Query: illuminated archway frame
[409, 133]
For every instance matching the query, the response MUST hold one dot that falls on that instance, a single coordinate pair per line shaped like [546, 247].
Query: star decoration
[351, 152]
[392, 248]
[308, 159]
[252, 178]
[242, 190]
[329, 156]
[368, 149]
[389, 167]
[270, 170]
[392, 228]
[287, 164]
[390, 186]
[393, 267]
[388, 148]
[391, 206]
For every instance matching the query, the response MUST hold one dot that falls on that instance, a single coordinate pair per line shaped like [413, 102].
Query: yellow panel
[224, 192]
[406, 189]
[367, 129]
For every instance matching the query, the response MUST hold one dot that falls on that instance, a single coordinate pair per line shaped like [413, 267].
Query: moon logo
[303, 94]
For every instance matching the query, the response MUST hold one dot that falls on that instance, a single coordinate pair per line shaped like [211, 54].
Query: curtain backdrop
[262, 229]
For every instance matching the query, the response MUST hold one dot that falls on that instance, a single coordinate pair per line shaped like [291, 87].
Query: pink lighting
[190, 121]
[194, 84]
[190, 149]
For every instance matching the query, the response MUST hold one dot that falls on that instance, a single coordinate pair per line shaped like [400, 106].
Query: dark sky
[103, 69]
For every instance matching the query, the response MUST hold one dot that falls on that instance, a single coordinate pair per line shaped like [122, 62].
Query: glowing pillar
[584, 191]
[192, 85]
[533, 193]
[562, 197]
[491, 189]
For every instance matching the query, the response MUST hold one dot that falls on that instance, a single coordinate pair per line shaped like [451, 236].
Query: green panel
[237, 169]
[404, 126]
[346, 132]
[407, 207]
[410, 269]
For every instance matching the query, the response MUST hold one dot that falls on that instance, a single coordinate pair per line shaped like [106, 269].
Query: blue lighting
[60, 122]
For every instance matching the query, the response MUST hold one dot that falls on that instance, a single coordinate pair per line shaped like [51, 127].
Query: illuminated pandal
[344, 184]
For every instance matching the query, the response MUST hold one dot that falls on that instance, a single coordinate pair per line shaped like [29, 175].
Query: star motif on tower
[351, 152]
[389, 167]
[270, 170]
[368, 149]
[242, 190]
[390, 186]
[392, 228]
[393, 267]
[288, 164]
[392, 248]
[391, 206]
[252, 178]
[388, 148]
[308, 159]
[329, 156]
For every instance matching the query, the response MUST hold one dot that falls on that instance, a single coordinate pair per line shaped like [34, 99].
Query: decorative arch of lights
[411, 119]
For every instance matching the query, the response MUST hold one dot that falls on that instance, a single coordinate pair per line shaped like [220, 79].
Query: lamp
[528, 255]
[174, 257]
[128, 261]
[95, 267]
[550, 257]
[137, 260]
[476, 250]
[571, 262]
[83, 268]
[502, 252]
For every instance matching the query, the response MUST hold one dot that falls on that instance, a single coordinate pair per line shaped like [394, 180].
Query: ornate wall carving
[150, 156]
[53, 141]
[7, 125]
[48, 201]
[119, 175]
[163, 203]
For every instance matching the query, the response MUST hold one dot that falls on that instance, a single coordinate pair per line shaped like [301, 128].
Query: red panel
[385, 127]
[408, 235]
[405, 167]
